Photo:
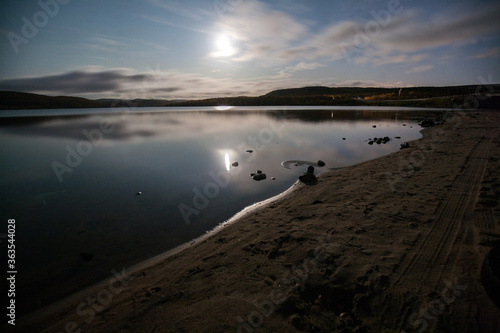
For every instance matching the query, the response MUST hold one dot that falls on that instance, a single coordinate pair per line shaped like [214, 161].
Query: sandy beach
[400, 243]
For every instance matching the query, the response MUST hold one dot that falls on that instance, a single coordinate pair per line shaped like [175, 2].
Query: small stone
[321, 163]
[235, 164]
[138, 193]
[249, 151]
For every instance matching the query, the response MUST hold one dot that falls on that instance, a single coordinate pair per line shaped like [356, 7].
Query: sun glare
[224, 47]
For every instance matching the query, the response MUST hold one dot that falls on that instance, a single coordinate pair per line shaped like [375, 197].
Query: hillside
[441, 97]
[11, 100]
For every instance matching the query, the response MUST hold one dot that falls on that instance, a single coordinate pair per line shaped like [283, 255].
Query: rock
[374, 126]
[259, 176]
[321, 163]
[308, 176]
[343, 138]
[249, 151]
[371, 142]
[405, 145]
[138, 193]
[273, 178]
[235, 164]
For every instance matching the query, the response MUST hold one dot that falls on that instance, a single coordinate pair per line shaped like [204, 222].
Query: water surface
[71, 180]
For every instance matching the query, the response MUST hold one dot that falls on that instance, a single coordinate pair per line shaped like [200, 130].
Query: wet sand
[397, 243]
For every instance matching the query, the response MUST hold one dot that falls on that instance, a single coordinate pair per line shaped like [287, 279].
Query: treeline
[270, 100]
[387, 93]
[444, 97]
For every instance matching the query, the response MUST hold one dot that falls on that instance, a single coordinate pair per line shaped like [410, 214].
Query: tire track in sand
[439, 248]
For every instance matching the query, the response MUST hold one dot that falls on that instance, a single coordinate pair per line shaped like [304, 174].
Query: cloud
[288, 71]
[406, 37]
[491, 53]
[261, 33]
[185, 9]
[85, 81]
[417, 69]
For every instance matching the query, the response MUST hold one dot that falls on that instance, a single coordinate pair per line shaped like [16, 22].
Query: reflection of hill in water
[351, 115]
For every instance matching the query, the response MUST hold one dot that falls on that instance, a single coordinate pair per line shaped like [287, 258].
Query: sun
[224, 48]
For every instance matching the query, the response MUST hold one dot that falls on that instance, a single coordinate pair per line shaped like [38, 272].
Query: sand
[397, 243]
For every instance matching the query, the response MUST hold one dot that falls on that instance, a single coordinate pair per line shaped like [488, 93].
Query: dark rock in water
[235, 164]
[397, 137]
[379, 141]
[138, 193]
[374, 126]
[259, 176]
[249, 151]
[321, 163]
[308, 176]
[273, 178]
[386, 139]
[405, 145]
[343, 138]
[86, 256]
[371, 142]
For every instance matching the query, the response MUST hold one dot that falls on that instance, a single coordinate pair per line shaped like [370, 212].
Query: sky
[191, 49]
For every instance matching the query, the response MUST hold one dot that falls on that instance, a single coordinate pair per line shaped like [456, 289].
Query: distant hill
[11, 100]
[444, 97]
[416, 92]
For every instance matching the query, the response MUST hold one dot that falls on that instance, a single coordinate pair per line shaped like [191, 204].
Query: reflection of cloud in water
[137, 127]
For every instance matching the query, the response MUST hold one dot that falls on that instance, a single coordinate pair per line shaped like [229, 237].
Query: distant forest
[441, 97]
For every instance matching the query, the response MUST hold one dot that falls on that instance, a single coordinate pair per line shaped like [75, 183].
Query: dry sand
[397, 243]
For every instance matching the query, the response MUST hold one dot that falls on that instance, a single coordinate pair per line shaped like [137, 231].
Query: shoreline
[170, 282]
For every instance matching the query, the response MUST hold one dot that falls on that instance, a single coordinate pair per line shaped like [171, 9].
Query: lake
[71, 178]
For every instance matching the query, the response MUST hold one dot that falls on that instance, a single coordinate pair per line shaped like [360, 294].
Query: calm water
[71, 181]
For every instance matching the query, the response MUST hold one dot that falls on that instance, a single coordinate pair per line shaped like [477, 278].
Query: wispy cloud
[417, 69]
[174, 24]
[184, 9]
[288, 71]
[491, 53]
[260, 32]
[406, 38]
[123, 83]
